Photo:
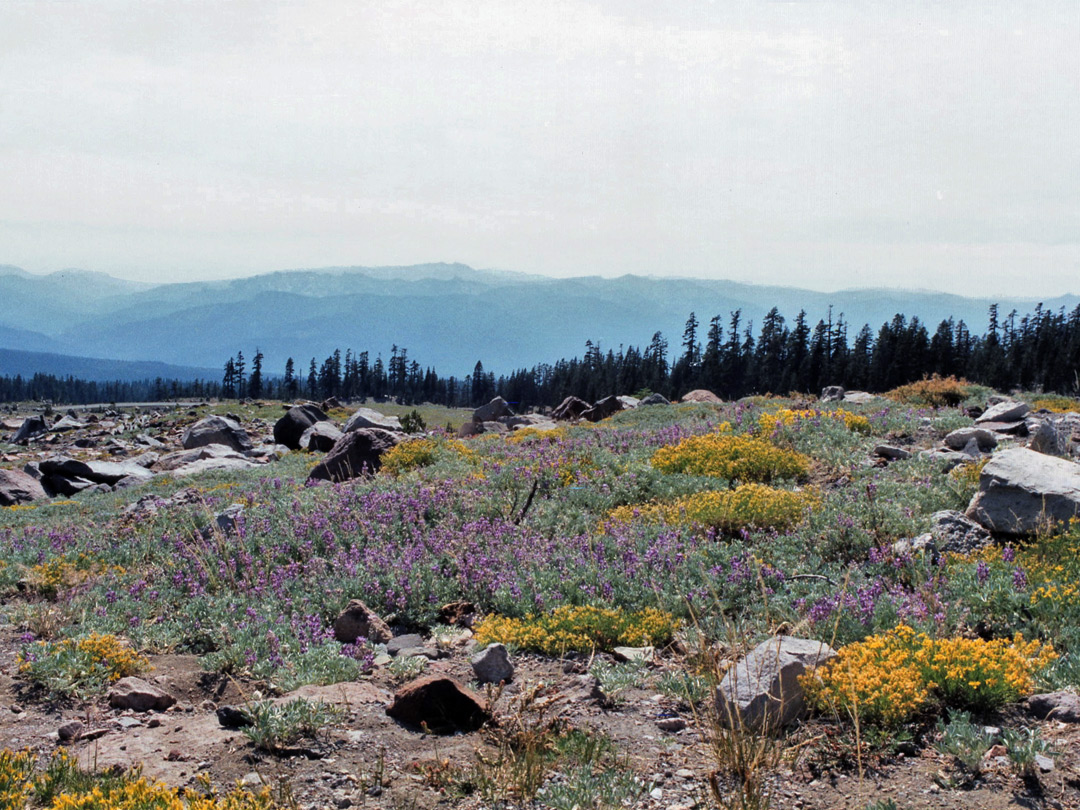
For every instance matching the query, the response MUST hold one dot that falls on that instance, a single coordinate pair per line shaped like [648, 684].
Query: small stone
[232, 717]
[359, 621]
[407, 641]
[634, 653]
[138, 695]
[672, 724]
[70, 732]
[684, 773]
[657, 793]
[492, 665]
[1044, 763]
[251, 779]
[995, 751]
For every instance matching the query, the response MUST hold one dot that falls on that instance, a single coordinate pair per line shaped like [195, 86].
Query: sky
[812, 144]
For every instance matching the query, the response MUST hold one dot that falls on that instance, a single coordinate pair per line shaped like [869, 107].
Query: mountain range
[447, 315]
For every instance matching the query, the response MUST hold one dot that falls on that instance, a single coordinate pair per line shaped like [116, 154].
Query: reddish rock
[440, 704]
[17, 487]
[138, 695]
[702, 395]
[355, 454]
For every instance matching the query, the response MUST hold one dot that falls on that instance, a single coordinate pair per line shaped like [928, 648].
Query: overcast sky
[825, 145]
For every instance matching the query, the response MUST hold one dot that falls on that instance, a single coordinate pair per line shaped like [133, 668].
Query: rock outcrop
[1021, 490]
[367, 418]
[216, 430]
[290, 428]
[355, 454]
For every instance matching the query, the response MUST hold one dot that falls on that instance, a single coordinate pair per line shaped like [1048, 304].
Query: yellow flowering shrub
[1056, 404]
[932, 392]
[580, 629]
[412, 455]
[62, 785]
[723, 455]
[745, 507]
[48, 578]
[888, 678]
[785, 417]
[80, 666]
[532, 434]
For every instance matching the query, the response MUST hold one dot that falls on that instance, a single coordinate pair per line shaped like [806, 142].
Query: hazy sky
[817, 144]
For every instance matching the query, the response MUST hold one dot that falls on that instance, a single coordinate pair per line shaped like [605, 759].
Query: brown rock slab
[360, 621]
[355, 454]
[138, 695]
[440, 704]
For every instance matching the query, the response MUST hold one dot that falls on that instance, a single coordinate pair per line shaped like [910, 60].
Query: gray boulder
[320, 437]
[493, 411]
[289, 429]
[1047, 438]
[216, 430]
[174, 461]
[948, 459]
[604, 408]
[1008, 411]
[655, 399]
[959, 439]
[17, 487]
[213, 465]
[367, 418]
[570, 408]
[891, 453]
[100, 472]
[858, 397]
[629, 402]
[762, 691]
[492, 665]
[1061, 706]
[32, 426]
[355, 454]
[67, 423]
[1021, 490]
[956, 532]
[832, 393]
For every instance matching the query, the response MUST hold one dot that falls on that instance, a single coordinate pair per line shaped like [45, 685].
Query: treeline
[728, 355]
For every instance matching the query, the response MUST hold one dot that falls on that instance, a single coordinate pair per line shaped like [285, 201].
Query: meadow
[695, 529]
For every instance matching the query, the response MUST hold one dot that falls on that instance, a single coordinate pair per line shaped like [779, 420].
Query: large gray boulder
[17, 487]
[570, 408]
[355, 454]
[832, 393]
[493, 411]
[367, 418]
[1021, 490]
[702, 395]
[32, 426]
[956, 532]
[655, 399]
[289, 429]
[762, 691]
[1007, 411]
[174, 461]
[100, 472]
[960, 438]
[216, 430]
[320, 437]
[1048, 438]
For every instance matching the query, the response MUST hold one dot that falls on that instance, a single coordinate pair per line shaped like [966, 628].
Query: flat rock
[1007, 411]
[368, 418]
[891, 452]
[858, 397]
[404, 642]
[439, 704]
[18, 487]
[762, 690]
[357, 620]
[1062, 706]
[213, 464]
[1021, 490]
[138, 695]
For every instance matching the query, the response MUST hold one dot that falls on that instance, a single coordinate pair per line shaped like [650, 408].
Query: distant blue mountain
[447, 315]
[89, 368]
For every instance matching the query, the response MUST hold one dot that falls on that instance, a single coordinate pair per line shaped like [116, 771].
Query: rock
[634, 653]
[527, 420]
[629, 402]
[31, 427]
[18, 487]
[59, 485]
[70, 732]
[762, 690]
[570, 408]
[955, 532]
[702, 395]
[468, 429]
[654, 399]
[367, 418]
[1047, 439]
[603, 408]
[891, 453]
[440, 704]
[320, 437]
[232, 717]
[213, 464]
[493, 411]
[100, 472]
[137, 695]
[226, 523]
[671, 724]
[1021, 490]
[406, 641]
[923, 544]
[948, 459]
[216, 430]
[832, 393]
[1008, 411]
[1044, 763]
[858, 397]
[959, 439]
[331, 404]
[289, 429]
[356, 453]
[581, 689]
[1061, 706]
[67, 423]
[146, 440]
[357, 620]
[492, 665]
